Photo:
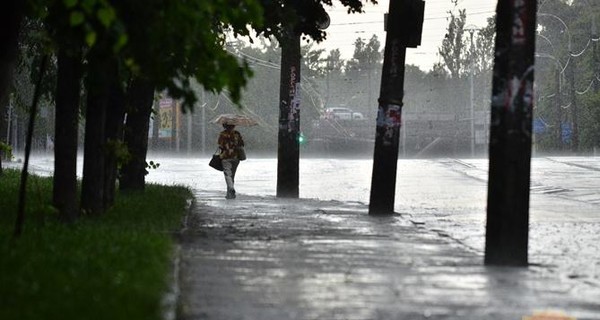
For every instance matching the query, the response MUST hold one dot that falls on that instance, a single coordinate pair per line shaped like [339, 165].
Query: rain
[443, 153]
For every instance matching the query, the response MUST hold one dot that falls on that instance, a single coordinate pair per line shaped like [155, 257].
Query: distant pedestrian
[230, 142]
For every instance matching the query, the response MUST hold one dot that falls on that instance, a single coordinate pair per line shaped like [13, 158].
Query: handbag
[216, 161]
[241, 153]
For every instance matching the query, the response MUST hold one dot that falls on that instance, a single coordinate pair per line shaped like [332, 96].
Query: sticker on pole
[389, 116]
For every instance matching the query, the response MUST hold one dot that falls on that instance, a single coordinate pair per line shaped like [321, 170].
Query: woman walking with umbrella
[231, 145]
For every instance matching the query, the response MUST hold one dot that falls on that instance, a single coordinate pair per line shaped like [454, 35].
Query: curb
[170, 300]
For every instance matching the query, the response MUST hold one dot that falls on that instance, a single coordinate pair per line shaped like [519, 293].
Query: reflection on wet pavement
[268, 258]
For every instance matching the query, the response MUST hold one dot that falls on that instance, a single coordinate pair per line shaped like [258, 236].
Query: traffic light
[301, 139]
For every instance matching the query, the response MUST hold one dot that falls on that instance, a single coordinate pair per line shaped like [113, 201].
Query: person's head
[228, 126]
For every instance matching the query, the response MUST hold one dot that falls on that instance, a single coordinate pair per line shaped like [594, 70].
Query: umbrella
[235, 119]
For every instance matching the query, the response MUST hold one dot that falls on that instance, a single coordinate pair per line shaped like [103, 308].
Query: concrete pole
[9, 120]
[403, 26]
[404, 128]
[472, 97]
[507, 229]
[595, 54]
[189, 133]
[574, 111]
[558, 110]
[15, 130]
[203, 146]
[288, 150]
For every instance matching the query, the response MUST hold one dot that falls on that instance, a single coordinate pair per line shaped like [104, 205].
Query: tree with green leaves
[568, 66]
[67, 103]
[366, 62]
[167, 56]
[454, 46]
[121, 40]
[367, 55]
[483, 47]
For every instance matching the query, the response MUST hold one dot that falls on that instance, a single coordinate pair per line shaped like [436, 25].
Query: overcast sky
[345, 28]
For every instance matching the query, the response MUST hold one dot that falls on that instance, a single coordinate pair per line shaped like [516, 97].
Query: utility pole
[288, 150]
[472, 94]
[203, 146]
[507, 228]
[558, 110]
[189, 133]
[595, 54]
[574, 111]
[9, 120]
[403, 26]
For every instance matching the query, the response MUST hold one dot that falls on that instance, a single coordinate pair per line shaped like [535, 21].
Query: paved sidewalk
[268, 258]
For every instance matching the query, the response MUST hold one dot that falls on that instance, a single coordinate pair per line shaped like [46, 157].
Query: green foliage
[167, 42]
[112, 267]
[367, 55]
[5, 150]
[120, 150]
[483, 47]
[189, 46]
[453, 49]
[77, 18]
[567, 76]
[303, 16]
[590, 122]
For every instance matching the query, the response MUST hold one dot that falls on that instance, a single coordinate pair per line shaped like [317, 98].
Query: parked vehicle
[340, 113]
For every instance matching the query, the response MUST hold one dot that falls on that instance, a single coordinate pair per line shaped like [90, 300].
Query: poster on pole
[165, 113]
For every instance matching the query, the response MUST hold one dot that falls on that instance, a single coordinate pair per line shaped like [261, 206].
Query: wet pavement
[309, 259]
[265, 258]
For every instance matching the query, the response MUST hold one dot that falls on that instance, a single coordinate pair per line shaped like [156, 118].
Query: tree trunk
[98, 87]
[114, 138]
[24, 173]
[140, 98]
[68, 90]
[155, 127]
[3, 127]
[11, 16]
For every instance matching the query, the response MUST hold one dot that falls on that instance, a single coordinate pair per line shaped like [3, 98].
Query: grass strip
[111, 267]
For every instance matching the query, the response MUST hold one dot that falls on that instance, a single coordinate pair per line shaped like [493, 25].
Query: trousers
[229, 169]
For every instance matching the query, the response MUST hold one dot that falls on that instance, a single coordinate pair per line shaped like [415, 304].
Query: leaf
[70, 3]
[76, 18]
[90, 38]
[88, 5]
[121, 42]
[106, 16]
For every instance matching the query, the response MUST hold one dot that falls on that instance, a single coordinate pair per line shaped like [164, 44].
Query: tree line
[568, 86]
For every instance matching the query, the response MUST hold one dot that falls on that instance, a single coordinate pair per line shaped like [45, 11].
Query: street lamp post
[203, 146]
[471, 30]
